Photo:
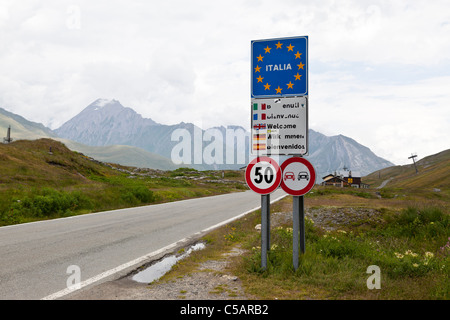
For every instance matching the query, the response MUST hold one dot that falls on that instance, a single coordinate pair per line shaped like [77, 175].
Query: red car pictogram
[289, 175]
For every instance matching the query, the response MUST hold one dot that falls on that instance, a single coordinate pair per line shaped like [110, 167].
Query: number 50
[268, 175]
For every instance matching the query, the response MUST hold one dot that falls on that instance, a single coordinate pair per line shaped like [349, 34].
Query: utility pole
[8, 138]
[412, 157]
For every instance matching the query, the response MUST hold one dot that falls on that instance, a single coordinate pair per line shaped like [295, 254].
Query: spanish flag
[259, 136]
[257, 146]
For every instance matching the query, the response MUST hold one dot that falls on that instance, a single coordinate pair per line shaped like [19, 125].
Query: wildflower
[429, 255]
[410, 253]
[342, 231]
[398, 255]
[309, 220]
[415, 265]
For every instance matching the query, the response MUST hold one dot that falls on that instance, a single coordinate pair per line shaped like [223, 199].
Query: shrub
[424, 223]
[137, 194]
[49, 202]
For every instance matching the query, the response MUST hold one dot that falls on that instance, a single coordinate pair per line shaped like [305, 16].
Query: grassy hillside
[433, 172]
[42, 179]
[44, 162]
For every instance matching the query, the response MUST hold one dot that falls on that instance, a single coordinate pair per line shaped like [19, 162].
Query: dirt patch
[331, 218]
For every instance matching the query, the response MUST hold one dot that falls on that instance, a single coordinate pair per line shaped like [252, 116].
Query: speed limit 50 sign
[263, 175]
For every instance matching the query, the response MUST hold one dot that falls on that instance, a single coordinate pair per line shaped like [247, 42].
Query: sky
[379, 71]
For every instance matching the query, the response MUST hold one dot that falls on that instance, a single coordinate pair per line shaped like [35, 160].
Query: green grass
[350, 191]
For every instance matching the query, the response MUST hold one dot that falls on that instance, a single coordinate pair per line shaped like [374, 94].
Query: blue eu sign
[280, 67]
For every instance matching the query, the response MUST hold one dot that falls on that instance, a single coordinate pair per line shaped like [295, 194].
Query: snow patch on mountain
[100, 103]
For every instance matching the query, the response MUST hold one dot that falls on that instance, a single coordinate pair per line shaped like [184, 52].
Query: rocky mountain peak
[103, 122]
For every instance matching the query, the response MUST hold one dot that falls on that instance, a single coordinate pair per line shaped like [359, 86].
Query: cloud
[393, 119]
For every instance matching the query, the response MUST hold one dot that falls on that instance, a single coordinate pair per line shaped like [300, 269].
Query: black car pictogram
[303, 175]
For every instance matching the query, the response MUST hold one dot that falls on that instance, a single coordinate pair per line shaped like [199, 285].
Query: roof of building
[343, 174]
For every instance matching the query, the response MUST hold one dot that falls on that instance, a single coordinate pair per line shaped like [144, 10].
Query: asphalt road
[35, 258]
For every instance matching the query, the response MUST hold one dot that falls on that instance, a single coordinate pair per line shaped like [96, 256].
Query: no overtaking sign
[299, 176]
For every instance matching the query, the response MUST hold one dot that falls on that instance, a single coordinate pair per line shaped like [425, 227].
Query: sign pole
[302, 224]
[295, 230]
[265, 209]
[268, 222]
[298, 229]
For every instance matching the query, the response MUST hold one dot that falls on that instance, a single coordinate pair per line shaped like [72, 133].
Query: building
[345, 179]
[333, 180]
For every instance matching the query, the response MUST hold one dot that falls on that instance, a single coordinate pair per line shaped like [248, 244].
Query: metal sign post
[265, 229]
[298, 229]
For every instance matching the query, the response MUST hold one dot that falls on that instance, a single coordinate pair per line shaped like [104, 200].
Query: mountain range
[110, 132]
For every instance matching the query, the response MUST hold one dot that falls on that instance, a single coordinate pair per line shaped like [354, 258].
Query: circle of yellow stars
[297, 76]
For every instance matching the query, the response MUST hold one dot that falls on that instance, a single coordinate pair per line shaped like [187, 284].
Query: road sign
[299, 176]
[279, 67]
[263, 175]
[279, 126]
